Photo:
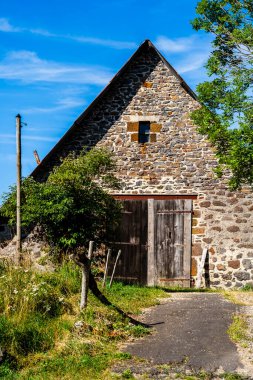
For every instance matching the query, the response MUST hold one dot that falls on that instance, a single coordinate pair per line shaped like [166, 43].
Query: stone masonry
[177, 160]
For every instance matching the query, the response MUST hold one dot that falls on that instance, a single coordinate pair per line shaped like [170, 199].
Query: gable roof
[147, 44]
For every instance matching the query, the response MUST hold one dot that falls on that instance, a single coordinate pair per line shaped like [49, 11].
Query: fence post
[114, 268]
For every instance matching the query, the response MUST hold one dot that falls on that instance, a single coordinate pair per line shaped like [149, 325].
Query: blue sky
[56, 56]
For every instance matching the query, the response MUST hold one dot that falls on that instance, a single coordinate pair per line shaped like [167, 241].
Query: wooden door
[131, 238]
[169, 242]
[155, 240]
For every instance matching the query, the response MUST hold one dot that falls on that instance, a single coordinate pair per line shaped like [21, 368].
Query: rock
[247, 263]
[78, 324]
[233, 229]
[218, 203]
[234, 264]
[242, 276]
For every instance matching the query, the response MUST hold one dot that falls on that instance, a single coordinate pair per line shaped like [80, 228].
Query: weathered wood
[187, 241]
[106, 267]
[132, 197]
[201, 267]
[173, 240]
[115, 265]
[155, 238]
[91, 243]
[85, 278]
[131, 239]
[151, 275]
[18, 190]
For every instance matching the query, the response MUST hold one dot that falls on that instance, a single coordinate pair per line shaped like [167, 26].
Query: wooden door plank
[151, 275]
[187, 241]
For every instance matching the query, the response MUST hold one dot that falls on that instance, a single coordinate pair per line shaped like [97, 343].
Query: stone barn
[174, 206]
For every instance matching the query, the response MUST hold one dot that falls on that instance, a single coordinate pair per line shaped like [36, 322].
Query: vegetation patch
[43, 334]
[237, 331]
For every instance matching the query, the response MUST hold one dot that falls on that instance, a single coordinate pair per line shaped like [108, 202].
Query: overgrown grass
[237, 331]
[39, 335]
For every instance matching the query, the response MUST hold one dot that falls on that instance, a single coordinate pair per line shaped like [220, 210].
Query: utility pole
[18, 142]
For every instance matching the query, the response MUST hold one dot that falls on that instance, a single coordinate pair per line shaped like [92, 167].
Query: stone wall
[178, 160]
[34, 247]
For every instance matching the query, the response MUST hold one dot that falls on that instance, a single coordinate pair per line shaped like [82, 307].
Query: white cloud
[186, 54]
[40, 138]
[12, 138]
[109, 43]
[62, 104]
[177, 45]
[192, 62]
[5, 26]
[27, 67]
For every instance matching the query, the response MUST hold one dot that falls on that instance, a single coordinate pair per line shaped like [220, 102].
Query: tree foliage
[72, 206]
[226, 115]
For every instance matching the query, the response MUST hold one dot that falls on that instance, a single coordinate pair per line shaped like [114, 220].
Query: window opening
[144, 131]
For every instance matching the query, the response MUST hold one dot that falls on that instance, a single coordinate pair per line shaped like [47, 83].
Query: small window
[144, 131]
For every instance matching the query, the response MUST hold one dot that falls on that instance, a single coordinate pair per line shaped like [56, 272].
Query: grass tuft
[237, 331]
[38, 332]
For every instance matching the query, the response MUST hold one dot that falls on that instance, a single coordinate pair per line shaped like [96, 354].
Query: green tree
[72, 206]
[226, 115]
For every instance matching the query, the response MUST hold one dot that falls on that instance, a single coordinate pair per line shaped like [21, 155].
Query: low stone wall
[33, 247]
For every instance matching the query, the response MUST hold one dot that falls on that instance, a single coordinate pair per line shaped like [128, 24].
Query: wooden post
[85, 278]
[18, 222]
[106, 267]
[201, 267]
[114, 268]
[90, 249]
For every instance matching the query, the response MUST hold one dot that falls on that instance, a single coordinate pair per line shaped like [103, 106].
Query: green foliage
[247, 288]
[233, 376]
[72, 207]
[226, 115]
[127, 374]
[40, 341]
[132, 298]
[237, 331]
[29, 305]
[22, 292]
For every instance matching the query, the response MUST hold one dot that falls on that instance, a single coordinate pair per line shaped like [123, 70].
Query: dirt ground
[190, 341]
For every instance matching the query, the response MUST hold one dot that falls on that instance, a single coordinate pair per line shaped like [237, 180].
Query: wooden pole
[91, 243]
[201, 267]
[106, 266]
[85, 278]
[18, 143]
[114, 268]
